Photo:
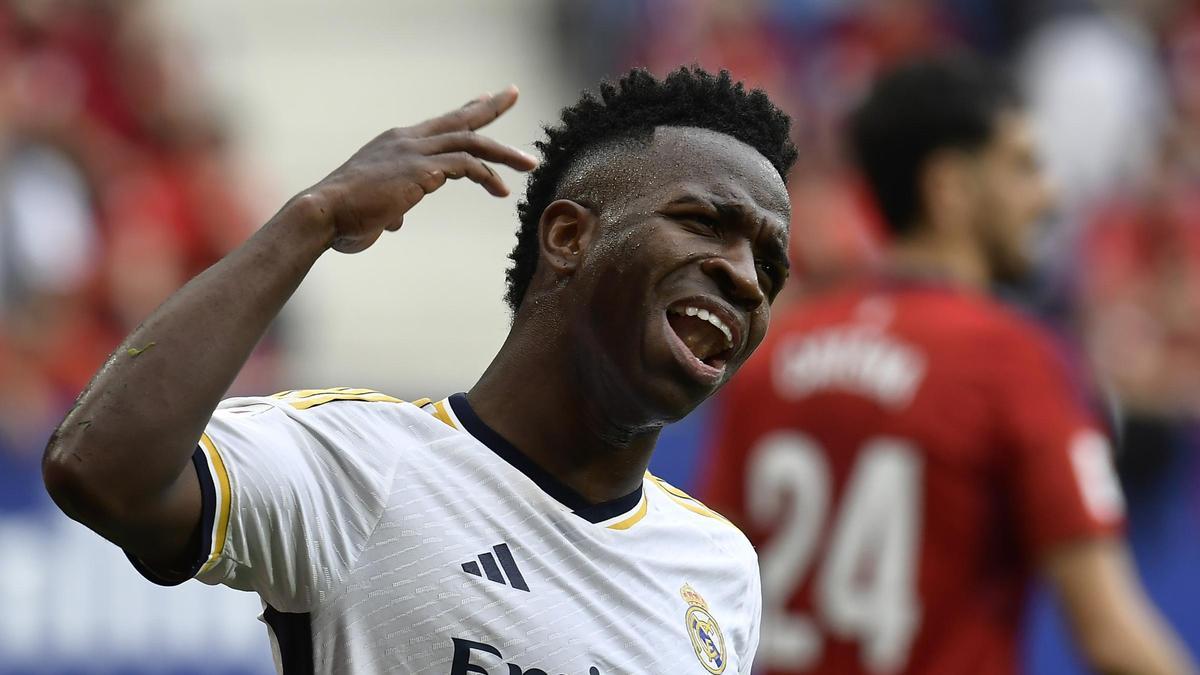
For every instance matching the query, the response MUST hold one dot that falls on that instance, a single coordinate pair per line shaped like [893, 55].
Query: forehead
[688, 158]
[647, 172]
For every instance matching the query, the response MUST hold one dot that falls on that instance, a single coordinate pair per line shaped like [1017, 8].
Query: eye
[702, 223]
[773, 274]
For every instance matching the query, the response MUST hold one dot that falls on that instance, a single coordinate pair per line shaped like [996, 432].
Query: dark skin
[593, 350]
[120, 461]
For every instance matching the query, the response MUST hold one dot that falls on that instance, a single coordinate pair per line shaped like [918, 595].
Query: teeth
[723, 328]
[712, 318]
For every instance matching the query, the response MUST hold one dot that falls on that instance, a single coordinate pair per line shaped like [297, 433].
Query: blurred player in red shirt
[905, 452]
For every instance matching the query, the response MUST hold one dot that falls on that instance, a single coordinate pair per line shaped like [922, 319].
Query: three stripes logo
[491, 570]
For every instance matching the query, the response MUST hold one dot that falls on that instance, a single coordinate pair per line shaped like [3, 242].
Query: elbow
[62, 476]
[71, 485]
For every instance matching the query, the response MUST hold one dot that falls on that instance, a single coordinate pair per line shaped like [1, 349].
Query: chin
[677, 405]
[645, 383]
[652, 400]
[631, 398]
[675, 396]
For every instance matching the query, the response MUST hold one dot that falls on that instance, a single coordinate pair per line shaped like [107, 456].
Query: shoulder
[339, 416]
[1031, 342]
[309, 399]
[999, 319]
[685, 509]
[976, 323]
[921, 308]
[1034, 368]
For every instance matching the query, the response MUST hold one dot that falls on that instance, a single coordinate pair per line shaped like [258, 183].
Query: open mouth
[704, 338]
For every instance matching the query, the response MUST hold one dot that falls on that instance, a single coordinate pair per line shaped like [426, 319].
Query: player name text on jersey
[857, 359]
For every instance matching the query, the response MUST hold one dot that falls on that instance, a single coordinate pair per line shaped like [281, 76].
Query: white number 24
[864, 589]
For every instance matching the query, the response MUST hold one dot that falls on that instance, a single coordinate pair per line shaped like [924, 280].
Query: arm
[120, 461]
[1117, 629]
[1071, 512]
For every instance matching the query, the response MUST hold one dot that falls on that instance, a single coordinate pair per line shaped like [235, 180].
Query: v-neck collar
[561, 492]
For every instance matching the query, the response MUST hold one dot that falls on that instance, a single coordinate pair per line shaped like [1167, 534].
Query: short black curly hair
[634, 105]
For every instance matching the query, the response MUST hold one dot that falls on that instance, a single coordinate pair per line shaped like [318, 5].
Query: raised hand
[388, 176]
[121, 461]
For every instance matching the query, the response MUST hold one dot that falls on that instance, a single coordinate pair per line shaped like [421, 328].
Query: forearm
[1141, 644]
[119, 462]
[1118, 630]
[133, 429]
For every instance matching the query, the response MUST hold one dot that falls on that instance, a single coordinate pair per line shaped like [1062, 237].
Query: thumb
[356, 244]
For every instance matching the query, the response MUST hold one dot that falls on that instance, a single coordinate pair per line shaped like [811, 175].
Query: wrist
[308, 220]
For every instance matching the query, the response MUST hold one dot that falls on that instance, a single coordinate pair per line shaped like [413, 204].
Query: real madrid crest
[706, 636]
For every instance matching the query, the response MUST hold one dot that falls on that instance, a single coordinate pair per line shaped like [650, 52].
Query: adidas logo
[492, 571]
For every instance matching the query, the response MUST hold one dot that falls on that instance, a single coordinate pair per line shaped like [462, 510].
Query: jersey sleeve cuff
[214, 519]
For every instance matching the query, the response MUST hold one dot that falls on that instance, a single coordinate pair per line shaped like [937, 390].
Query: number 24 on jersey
[864, 588]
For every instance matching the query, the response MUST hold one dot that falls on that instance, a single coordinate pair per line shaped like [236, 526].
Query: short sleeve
[292, 488]
[1064, 484]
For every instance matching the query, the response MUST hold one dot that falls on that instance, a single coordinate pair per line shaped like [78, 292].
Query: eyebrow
[734, 211]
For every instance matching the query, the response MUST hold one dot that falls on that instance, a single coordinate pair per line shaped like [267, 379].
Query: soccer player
[512, 529]
[904, 451]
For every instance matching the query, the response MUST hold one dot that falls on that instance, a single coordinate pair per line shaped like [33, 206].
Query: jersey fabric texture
[394, 537]
[901, 454]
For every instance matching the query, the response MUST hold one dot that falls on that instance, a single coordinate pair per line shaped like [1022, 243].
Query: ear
[565, 232]
[946, 188]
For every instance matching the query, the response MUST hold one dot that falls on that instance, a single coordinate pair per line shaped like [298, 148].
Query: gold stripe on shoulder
[422, 402]
[222, 524]
[635, 518]
[675, 491]
[440, 412]
[303, 399]
[685, 500]
[309, 393]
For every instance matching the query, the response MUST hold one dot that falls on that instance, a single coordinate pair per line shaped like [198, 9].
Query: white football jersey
[393, 537]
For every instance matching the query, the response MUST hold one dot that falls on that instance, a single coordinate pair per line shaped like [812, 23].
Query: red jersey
[900, 455]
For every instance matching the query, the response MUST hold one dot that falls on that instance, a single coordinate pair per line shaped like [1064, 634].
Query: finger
[477, 113]
[480, 146]
[465, 165]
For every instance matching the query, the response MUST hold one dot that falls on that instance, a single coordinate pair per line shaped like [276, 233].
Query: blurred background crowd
[121, 177]
[115, 188]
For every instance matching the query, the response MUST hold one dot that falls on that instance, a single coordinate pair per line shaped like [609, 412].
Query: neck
[532, 395]
[927, 253]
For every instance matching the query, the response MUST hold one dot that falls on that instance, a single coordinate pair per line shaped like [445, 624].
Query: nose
[737, 277]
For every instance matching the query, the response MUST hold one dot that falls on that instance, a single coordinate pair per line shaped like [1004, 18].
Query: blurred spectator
[1104, 64]
[115, 187]
[1141, 294]
[1140, 290]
